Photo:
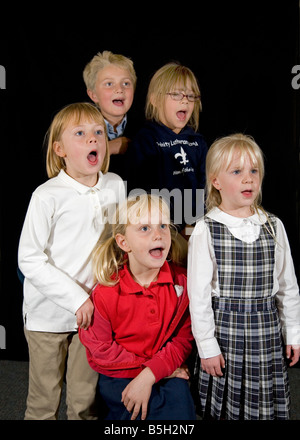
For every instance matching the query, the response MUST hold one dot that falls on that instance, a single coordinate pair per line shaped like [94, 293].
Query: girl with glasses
[168, 153]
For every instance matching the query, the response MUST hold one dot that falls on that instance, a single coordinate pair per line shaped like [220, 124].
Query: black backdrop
[241, 52]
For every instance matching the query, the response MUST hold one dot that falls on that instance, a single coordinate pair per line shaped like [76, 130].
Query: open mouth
[118, 102]
[181, 115]
[247, 192]
[92, 157]
[156, 252]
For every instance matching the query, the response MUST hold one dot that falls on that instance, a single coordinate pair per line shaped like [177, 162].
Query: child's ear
[216, 183]
[122, 242]
[153, 99]
[58, 149]
[92, 95]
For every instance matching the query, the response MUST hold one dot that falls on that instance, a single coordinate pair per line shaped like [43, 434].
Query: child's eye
[79, 133]
[98, 132]
[236, 171]
[127, 84]
[108, 84]
[164, 226]
[144, 228]
[254, 171]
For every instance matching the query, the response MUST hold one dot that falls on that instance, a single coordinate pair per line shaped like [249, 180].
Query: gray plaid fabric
[255, 383]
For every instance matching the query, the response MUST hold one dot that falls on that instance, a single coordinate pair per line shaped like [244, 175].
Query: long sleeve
[201, 283]
[287, 290]
[104, 354]
[175, 352]
[35, 261]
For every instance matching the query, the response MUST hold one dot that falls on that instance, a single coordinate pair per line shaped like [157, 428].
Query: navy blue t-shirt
[158, 159]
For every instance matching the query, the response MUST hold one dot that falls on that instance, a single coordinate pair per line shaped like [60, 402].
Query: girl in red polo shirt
[141, 336]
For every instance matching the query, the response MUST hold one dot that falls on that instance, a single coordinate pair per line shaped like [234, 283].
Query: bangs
[76, 113]
[242, 151]
[181, 76]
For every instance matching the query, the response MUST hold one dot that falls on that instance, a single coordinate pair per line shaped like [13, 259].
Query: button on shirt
[62, 225]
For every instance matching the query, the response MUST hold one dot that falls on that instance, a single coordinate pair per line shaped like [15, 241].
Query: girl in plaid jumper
[244, 297]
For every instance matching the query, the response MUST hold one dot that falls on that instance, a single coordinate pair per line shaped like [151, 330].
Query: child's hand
[137, 393]
[84, 314]
[118, 145]
[213, 365]
[293, 353]
[180, 373]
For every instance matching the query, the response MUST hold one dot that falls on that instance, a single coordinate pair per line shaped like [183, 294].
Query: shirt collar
[111, 133]
[235, 222]
[128, 285]
[79, 187]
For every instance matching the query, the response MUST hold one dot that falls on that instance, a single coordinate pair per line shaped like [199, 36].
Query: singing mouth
[156, 252]
[181, 115]
[92, 157]
[118, 102]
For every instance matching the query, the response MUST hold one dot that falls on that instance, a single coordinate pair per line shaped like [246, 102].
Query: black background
[241, 52]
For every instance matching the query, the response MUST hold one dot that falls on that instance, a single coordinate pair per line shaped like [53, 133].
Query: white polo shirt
[63, 224]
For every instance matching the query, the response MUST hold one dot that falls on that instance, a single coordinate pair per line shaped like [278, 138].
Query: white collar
[235, 222]
[79, 187]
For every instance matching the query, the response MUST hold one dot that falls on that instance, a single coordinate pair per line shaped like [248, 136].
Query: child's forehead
[182, 85]
[83, 119]
[152, 215]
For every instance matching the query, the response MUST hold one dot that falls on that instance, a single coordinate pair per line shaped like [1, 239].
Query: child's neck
[241, 212]
[145, 278]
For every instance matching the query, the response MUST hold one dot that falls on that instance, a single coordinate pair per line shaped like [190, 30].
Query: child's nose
[248, 177]
[92, 139]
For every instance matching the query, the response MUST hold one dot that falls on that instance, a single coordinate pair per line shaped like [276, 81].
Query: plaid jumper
[254, 384]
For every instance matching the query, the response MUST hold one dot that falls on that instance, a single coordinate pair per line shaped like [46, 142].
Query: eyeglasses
[178, 96]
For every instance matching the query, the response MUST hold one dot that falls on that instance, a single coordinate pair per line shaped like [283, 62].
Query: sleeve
[287, 296]
[201, 275]
[175, 352]
[34, 262]
[103, 352]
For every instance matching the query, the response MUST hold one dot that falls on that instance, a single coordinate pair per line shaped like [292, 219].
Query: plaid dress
[254, 384]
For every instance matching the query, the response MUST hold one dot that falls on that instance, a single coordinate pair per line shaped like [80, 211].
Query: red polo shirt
[134, 327]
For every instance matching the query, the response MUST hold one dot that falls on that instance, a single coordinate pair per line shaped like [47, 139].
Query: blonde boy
[110, 80]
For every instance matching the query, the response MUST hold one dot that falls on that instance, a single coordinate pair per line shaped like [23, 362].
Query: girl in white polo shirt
[65, 218]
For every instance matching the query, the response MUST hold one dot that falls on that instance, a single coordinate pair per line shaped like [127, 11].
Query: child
[63, 223]
[140, 335]
[167, 153]
[243, 291]
[110, 80]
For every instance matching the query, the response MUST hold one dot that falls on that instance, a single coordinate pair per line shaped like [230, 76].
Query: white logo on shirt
[182, 154]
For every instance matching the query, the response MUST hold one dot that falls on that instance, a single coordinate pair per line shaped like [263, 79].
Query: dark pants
[170, 400]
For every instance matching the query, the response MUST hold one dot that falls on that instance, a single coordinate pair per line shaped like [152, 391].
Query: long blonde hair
[165, 80]
[107, 257]
[72, 113]
[219, 157]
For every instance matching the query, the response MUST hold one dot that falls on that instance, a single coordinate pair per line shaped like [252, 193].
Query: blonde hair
[107, 257]
[102, 60]
[72, 113]
[166, 79]
[219, 157]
